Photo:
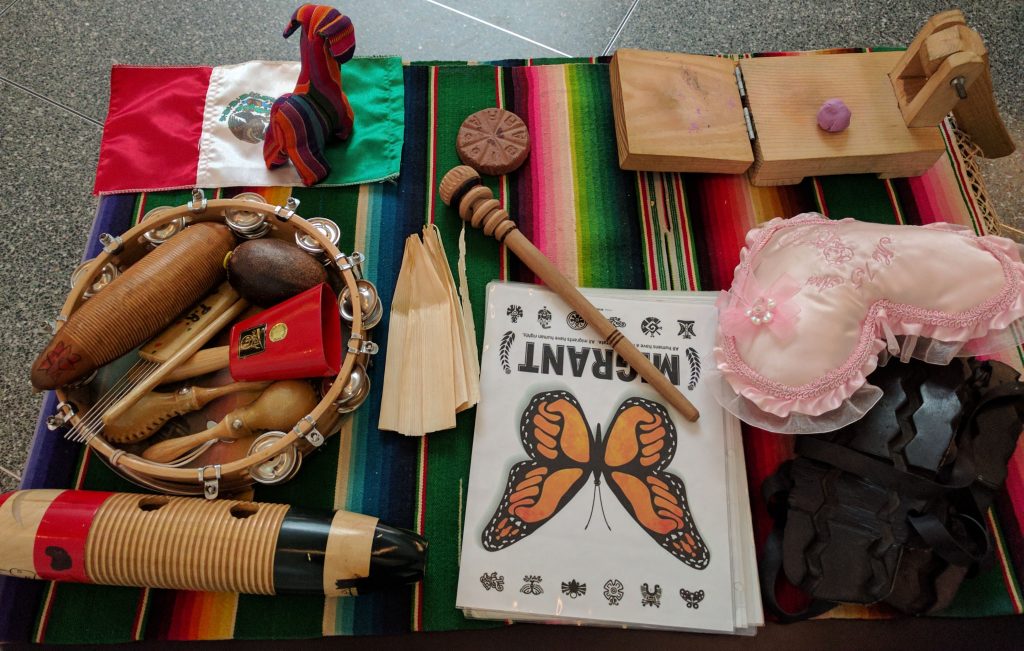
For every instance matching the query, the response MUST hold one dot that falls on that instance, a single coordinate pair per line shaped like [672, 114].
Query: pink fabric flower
[748, 309]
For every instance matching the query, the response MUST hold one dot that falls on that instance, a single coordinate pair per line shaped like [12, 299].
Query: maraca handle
[171, 449]
[204, 361]
[155, 409]
[279, 406]
[204, 395]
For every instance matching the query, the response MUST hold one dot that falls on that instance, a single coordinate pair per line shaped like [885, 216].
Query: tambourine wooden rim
[324, 417]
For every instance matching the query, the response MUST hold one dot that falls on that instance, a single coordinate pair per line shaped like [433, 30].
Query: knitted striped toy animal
[301, 122]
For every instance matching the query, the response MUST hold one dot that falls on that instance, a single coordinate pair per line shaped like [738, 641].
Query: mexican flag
[174, 127]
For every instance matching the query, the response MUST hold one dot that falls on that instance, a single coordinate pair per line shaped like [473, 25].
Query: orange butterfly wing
[640, 444]
[557, 438]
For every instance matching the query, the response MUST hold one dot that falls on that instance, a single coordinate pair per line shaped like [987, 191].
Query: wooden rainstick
[279, 407]
[461, 188]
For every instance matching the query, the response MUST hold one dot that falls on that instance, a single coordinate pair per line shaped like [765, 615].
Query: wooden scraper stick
[461, 188]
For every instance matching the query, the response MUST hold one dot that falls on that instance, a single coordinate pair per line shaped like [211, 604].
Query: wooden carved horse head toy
[301, 122]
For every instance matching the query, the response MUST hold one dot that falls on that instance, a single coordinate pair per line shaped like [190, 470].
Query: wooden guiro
[135, 306]
[462, 189]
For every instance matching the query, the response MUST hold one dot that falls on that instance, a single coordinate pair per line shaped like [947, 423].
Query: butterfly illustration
[692, 599]
[632, 459]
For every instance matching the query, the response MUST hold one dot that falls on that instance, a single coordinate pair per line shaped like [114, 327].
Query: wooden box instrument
[133, 411]
[691, 113]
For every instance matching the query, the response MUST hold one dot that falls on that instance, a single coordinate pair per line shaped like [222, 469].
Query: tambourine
[273, 456]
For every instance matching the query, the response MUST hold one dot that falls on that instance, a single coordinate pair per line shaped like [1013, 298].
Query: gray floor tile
[418, 30]
[72, 64]
[45, 213]
[574, 27]
[708, 27]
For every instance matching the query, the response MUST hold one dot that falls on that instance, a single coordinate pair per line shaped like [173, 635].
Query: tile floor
[55, 59]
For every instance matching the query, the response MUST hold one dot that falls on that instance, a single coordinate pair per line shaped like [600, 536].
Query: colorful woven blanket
[603, 227]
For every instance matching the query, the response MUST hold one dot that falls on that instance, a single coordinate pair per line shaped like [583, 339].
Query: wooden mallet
[462, 189]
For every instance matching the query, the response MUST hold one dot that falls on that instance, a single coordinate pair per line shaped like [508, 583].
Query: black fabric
[775, 490]
[861, 465]
[946, 544]
[890, 509]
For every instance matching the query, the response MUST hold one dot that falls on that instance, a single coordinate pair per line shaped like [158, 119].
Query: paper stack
[589, 499]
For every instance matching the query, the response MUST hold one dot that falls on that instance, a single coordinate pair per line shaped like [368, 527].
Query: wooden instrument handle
[160, 348]
[206, 395]
[154, 409]
[476, 204]
[171, 449]
[278, 407]
[204, 361]
[189, 349]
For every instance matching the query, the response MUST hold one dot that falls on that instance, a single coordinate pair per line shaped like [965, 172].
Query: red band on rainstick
[59, 549]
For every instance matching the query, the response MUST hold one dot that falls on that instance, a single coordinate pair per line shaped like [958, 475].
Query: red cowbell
[298, 338]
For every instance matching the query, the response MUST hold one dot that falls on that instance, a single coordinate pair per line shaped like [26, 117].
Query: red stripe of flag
[154, 124]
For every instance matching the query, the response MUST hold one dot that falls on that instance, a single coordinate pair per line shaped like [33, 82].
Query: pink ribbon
[748, 309]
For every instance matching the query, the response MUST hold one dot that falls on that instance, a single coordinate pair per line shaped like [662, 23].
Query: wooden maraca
[280, 406]
[154, 409]
[462, 189]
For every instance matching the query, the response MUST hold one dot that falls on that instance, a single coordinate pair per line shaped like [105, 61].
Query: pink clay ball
[834, 115]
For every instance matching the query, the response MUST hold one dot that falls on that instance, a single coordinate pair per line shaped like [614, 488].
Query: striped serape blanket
[602, 227]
